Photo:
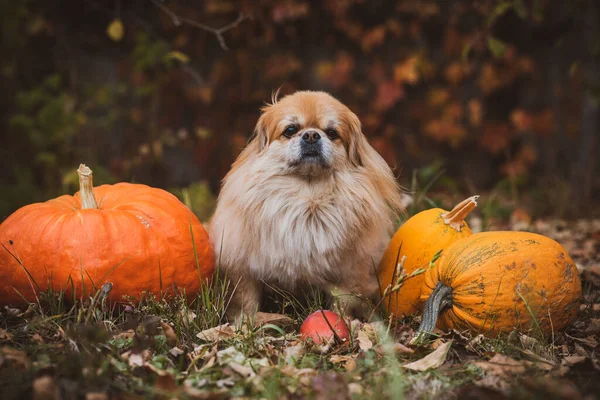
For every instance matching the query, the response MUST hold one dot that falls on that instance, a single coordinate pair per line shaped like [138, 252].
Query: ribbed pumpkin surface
[138, 238]
[500, 280]
[419, 239]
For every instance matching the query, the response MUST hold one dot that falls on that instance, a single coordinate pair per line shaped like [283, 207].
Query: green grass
[150, 349]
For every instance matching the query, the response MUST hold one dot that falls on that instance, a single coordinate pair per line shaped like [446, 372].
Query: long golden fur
[289, 219]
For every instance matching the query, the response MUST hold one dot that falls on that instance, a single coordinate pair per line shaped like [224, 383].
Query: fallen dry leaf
[280, 320]
[30, 312]
[294, 353]
[500, 372]
[329, 385]
[37, 338]
[475, 343]
[13, 312]
[402, 349]
[5, 336]
[136, 359]
[505, 366]
[573, 360]
[431, 361]
[537, 358]
[590, 341]
[348, 361]
[501, 364]
[363, 341]
[591, 274]
[593, 327]
[45, 388]
[187, 316]
[351, 365]
[18, 358]
[128, 334]
[156, 370]
[397, 348]
[166, 383]
[220, 332]
[243, 370]
[339, 358]
[437, 343]
[200, 351]
[168, 331]
[176, 351]
[96, 396]
[355, 389]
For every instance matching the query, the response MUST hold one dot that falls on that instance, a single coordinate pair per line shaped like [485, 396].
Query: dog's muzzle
[311, 145]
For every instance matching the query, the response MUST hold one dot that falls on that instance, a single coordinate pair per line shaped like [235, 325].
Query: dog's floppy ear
[261, 134]
[363, 155]
[360, 152]
[359, 146]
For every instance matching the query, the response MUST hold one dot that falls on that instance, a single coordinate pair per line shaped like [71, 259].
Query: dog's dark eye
[332, 134]
[290, 131]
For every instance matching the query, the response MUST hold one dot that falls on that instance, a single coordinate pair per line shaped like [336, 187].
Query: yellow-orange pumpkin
[499, 281]
[136, 237]
[419, 239]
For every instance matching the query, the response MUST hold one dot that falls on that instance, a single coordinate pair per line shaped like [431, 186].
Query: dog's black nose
[311, 136]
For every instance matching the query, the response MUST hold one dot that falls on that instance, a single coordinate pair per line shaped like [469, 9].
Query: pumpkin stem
[440, 298]
[456, 217]
[86, 187]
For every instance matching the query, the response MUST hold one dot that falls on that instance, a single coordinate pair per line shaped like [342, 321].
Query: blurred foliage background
[462, 97]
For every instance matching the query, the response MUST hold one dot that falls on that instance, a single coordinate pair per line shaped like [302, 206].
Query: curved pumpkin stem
[456, 217]
[440, 298]
[86, 187]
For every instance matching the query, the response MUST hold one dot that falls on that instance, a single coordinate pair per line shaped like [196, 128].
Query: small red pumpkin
[321, 326]
[136, 237]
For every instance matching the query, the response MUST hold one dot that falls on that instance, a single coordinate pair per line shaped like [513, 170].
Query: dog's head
[310, 133]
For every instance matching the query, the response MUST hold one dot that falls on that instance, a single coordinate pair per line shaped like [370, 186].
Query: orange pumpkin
[419, 239]
[136, 237]
[500, 281]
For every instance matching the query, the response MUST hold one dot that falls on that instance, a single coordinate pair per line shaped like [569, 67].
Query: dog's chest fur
[290, 231]
[300, 228]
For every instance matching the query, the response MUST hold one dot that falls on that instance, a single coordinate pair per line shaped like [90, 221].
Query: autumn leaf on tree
[522, 120]
[453, 112]
[493, 77]
[495, 137]
[475, 112]
[526, 65]
[373, 38]
[376, 72]
[540, 123]
[337, 73]
[406, 71]
[388, 94]
[520, 164]
[456, 72]
[424, 9]
[280, 66]
[454, 43]
[219, 6]
[446, 131]
[438, 96]
[543, 123]
[289, 10]
[385, 148]
[115, 30]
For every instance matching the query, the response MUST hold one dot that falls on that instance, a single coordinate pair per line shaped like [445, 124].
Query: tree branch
[218, 32]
